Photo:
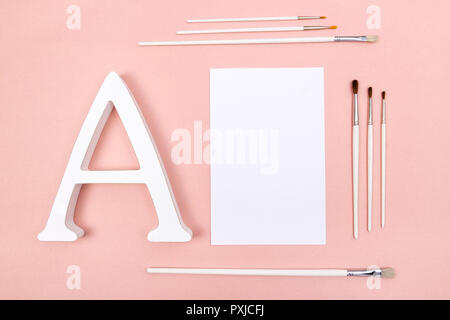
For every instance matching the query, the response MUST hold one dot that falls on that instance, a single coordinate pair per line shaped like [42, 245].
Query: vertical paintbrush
[369, 162]
[355, 157]
[383, 159]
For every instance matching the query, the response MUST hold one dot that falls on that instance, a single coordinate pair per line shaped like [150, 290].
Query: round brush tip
[383, 94]
[355, 86]
[333, 27]
[323, 17]
[370, 92]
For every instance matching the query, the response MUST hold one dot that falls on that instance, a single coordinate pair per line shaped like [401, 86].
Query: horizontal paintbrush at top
[257, 19]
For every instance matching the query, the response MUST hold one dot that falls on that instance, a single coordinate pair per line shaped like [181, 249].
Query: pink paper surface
[50, 74]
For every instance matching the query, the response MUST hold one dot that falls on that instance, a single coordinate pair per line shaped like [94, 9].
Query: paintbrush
[378, 272]
[369, 161]
[265, 29]
[383, 159]
[257, 19]
[355, 157]
[368, 39]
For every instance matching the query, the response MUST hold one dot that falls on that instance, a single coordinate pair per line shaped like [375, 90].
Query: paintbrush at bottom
[380, 272]
[367, 39]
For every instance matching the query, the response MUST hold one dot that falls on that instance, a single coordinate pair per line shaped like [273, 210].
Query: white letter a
[114, 93]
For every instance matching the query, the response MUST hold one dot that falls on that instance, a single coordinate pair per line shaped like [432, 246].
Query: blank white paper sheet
[267, 156]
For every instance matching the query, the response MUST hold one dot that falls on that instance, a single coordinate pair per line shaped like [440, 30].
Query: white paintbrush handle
[355, 151]
[369, 175]
[269, 29]
[383, 174]
[239, 41]
[246, 19]
[255, 272]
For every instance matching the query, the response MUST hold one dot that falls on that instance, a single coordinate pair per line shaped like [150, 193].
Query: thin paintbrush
[380, 272]
[257, 19]
[265, 29]
[369, 162]
[383, 159]
[263, 41]
[355, 157]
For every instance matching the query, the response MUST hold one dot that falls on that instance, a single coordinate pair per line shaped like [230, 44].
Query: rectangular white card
[267, 156]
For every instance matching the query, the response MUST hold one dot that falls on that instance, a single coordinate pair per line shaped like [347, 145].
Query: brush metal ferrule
[370, 118]
[351, 38]
[315, 27]
[355, 110]
[383, 111]
[364, 273]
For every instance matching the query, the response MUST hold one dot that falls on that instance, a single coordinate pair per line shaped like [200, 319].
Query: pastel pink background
[49, 76]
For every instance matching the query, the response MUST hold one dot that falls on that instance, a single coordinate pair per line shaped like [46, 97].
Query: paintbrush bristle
[387, 273]
[333, 27]
[370, 92]
[383, 95]
[372, 38]
[355, 86]
[323, 17]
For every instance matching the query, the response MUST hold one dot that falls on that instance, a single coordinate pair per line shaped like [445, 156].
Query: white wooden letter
[114, 93]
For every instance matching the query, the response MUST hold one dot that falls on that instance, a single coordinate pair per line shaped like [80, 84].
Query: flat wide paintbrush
[380, 272]
[367, 39]
[355, 157]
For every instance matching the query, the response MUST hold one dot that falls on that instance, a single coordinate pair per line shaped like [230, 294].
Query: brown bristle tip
[370, 92]
[355, 86]
[323, 17]
[383, 94]
[333, 27]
